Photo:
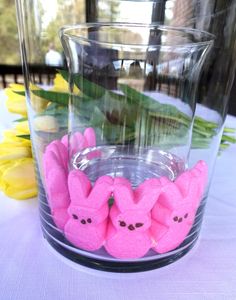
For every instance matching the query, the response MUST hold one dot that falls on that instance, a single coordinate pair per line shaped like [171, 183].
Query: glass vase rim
[187, 30]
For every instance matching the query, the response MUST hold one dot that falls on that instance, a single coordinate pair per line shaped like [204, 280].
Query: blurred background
[50, 15]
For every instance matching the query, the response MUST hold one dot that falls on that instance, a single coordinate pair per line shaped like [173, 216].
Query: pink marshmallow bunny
[55, 163]
[130, 218]
[174, 213]
[88, 211]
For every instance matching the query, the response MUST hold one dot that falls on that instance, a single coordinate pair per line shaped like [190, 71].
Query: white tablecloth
[30, 270]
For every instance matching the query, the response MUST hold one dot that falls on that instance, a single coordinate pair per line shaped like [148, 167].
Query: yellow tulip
[46, 124]
[61, 85]
[22, 127]
[11, 136]
[38, 104]
[17, 178]
[17, 87]
[16, 103]
[12, 146]
[13, 151]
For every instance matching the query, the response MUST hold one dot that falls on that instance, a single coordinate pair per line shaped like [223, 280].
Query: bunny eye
[75, 216]
[83, 221]
[122, 223]
[137, 225]
[89, 220]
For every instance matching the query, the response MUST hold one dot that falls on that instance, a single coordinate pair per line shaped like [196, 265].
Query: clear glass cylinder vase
[125, 136]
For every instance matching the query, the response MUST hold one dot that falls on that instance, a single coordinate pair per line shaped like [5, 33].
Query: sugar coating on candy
[130, 218]
[88, 210]
[174, 213]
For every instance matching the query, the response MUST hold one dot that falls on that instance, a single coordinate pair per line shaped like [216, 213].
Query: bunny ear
[79, 187]
[147, 194]
[64, 140]
[57, 189]
[62, 154]
[90, 136]
[200, 170]
[123, 194]
[59, 149]
[191, 183]
[183, 182]
[55, 180]
[50, 161]
[170, 196]
[77, 142]
[101, 192]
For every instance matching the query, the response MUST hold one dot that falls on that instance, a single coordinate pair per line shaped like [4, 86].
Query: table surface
[30, 269]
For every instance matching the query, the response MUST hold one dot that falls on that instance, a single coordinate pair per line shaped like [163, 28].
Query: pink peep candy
[88, 211]
[79, 141]
[130, 218]
[174, 213]
[55, 161]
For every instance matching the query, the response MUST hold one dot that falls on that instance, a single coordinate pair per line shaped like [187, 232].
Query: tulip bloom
[17, 178]
[61, 85]
[16, 103]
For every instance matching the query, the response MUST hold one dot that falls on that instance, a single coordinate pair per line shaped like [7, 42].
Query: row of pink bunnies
[157, 215]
